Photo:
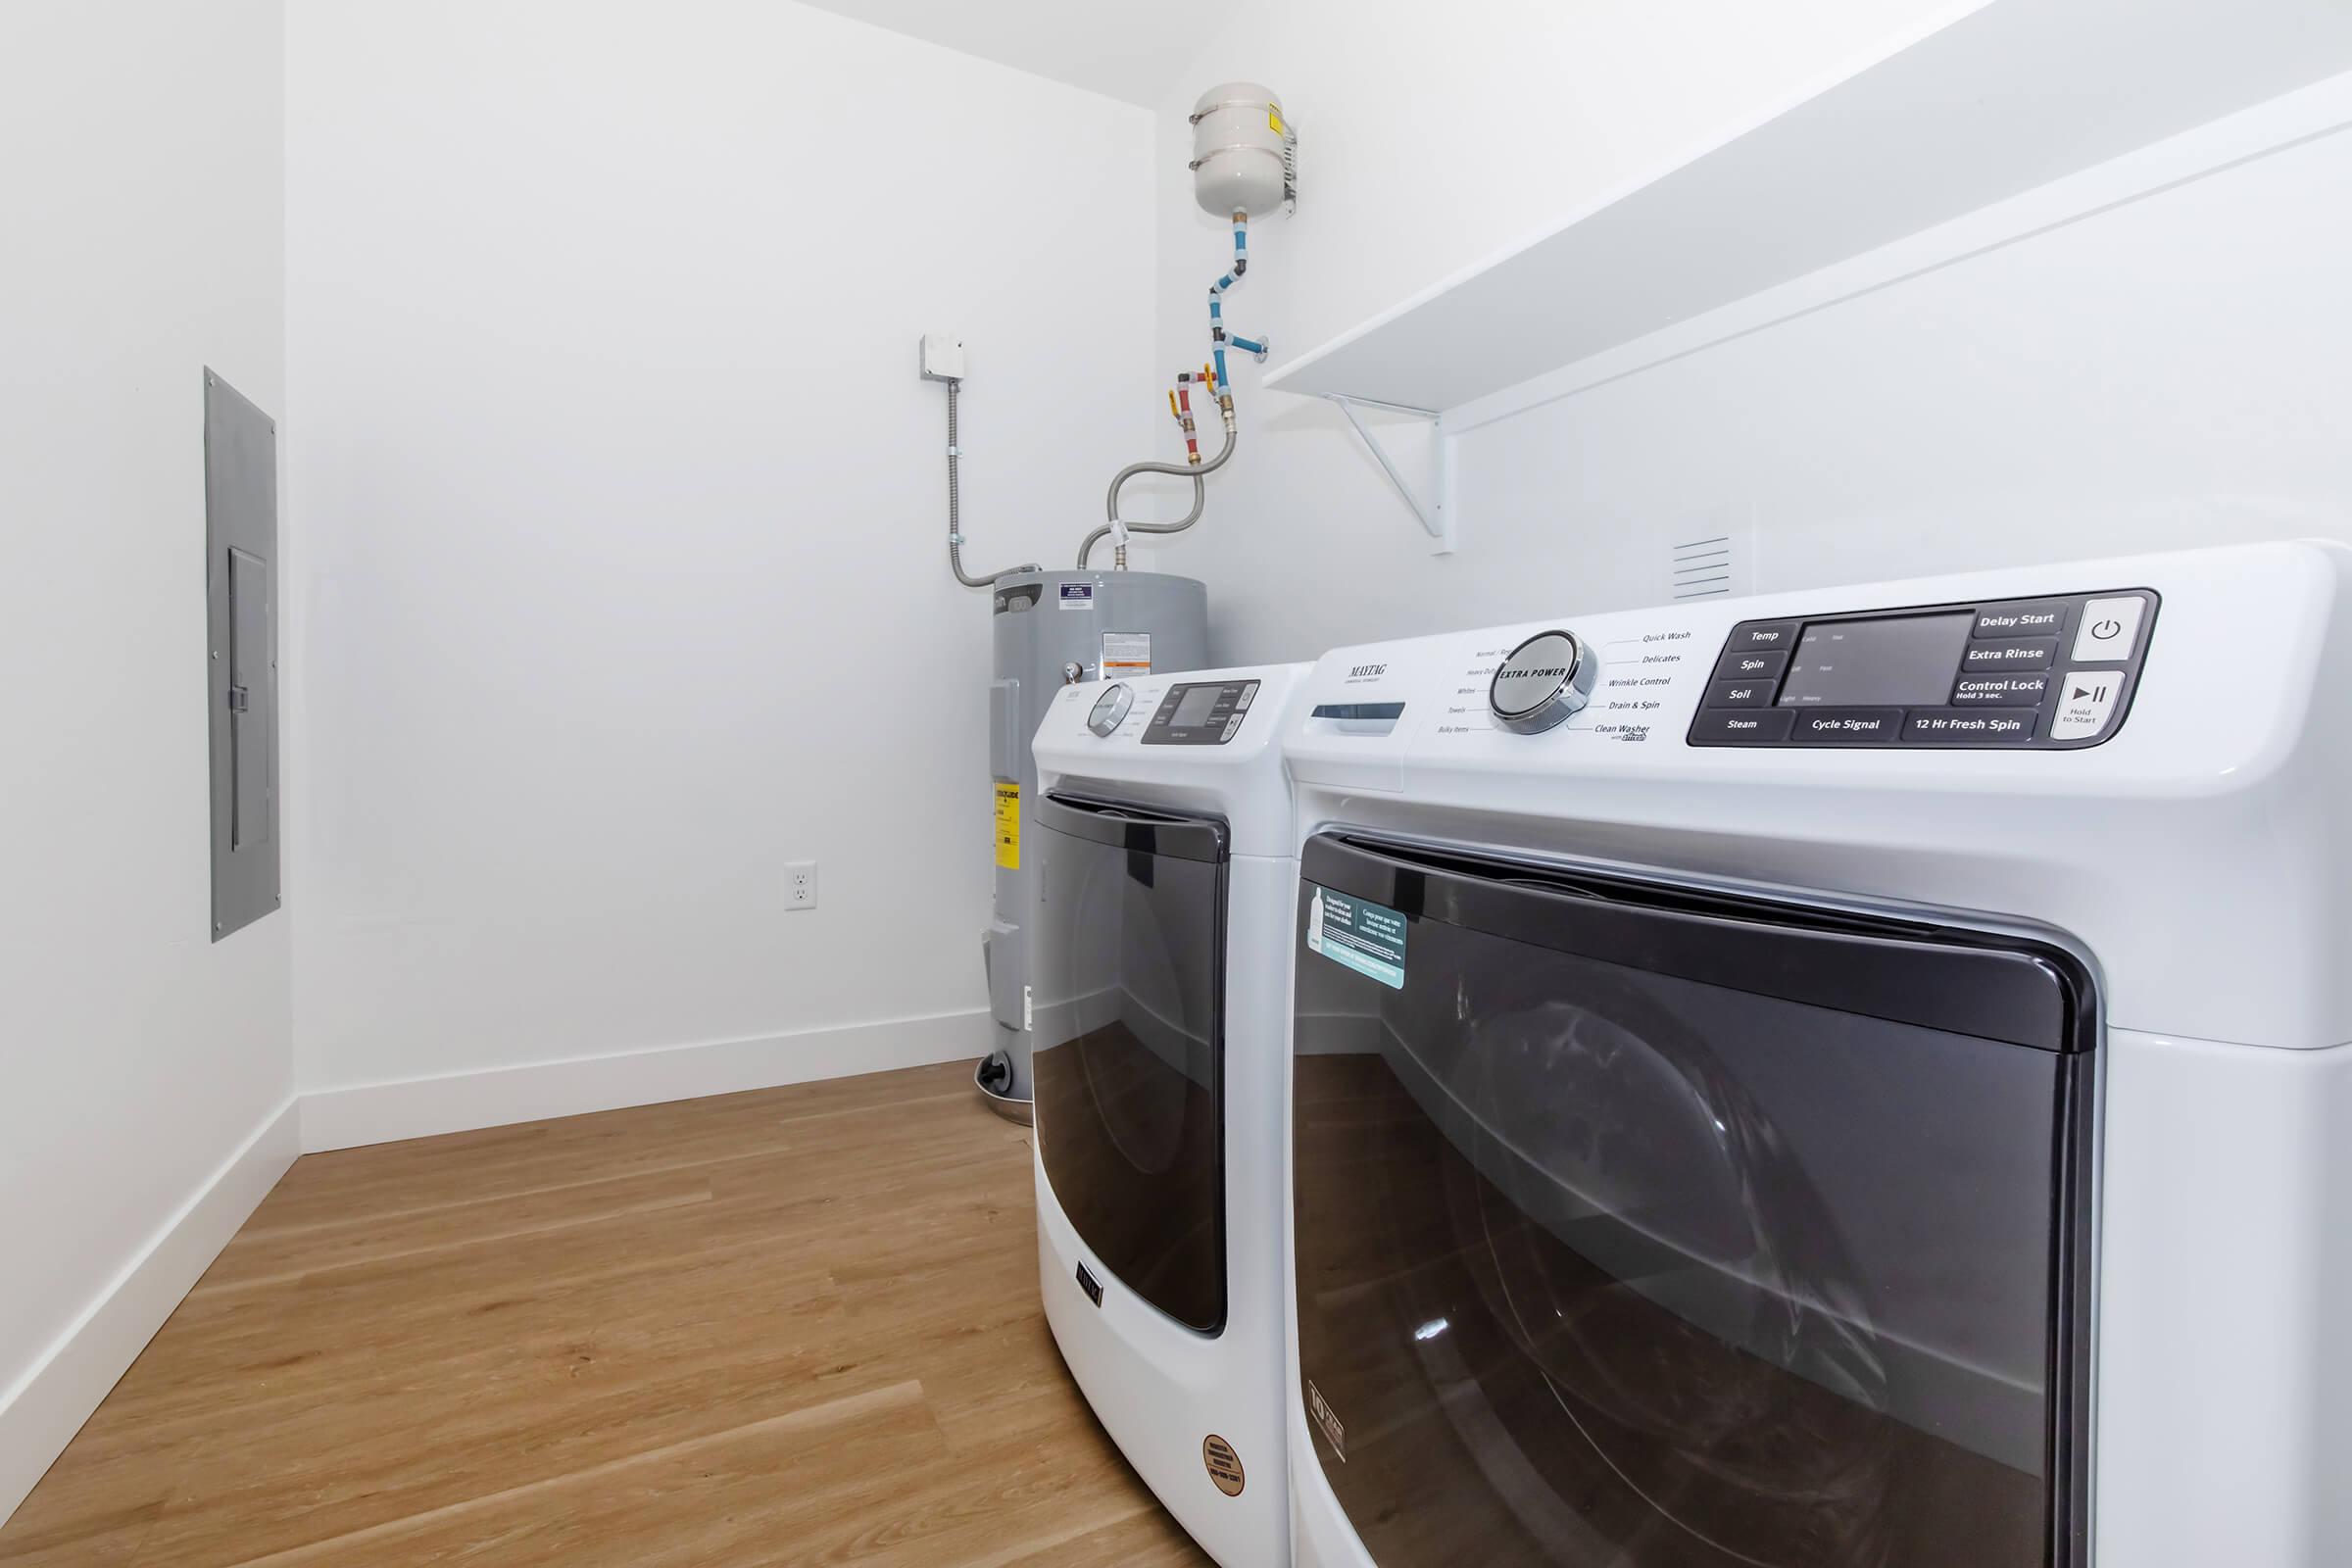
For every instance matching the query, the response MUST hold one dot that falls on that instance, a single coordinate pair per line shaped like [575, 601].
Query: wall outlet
[800, 884]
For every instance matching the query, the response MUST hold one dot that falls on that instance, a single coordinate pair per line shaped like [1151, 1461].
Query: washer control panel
[1207, 713]
[2052, 673]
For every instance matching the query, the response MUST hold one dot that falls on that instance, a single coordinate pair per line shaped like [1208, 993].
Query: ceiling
[1136, 50]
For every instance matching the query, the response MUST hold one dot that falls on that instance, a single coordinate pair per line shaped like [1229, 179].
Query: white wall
[2149, 377]
[142, 156]
[628, 583]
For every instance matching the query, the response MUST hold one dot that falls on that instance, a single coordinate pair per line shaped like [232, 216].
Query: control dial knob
[1110, 709]
[1542, 681]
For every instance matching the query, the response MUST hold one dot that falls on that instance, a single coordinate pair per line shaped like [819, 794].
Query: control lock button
[2009, 653]
[1762, 724]
[1740, 694]
[2085, 701]
[1847, 726]
[2001, 691]
[1738, 665]
[1971, 727]
[2110, 627]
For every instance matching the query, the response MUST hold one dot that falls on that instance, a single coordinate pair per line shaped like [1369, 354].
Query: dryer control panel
[1201, 712]
[2050, 673]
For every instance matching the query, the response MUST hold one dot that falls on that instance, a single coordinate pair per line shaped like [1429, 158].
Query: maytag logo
[1367, 672]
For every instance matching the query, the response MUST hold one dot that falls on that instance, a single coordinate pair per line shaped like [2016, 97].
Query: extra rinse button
[2008, 653]
[2110, 627]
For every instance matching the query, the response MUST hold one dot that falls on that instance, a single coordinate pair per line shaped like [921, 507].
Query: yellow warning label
[1274, 119]
[1009, 825]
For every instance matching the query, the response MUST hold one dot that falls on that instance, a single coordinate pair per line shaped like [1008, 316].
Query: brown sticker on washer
[1224, 1465]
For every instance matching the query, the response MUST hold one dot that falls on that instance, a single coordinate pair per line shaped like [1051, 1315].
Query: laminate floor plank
[794, 1326]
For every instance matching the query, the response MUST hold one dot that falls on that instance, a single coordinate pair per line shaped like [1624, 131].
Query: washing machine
[1166, 869]
[1851, 1077]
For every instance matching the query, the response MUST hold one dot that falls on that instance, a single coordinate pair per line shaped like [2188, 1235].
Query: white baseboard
[49, 1404]
[453, 1102]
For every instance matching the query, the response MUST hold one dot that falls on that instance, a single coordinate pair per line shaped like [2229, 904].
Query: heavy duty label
[1224, 1465]
[1008, 826]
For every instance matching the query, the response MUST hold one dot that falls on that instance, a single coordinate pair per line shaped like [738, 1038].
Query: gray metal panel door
[240, 509]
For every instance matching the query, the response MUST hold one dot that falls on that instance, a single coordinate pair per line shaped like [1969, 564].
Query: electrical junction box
[941, 357]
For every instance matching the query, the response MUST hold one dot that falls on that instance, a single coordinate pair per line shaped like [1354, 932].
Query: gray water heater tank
[1051, 628]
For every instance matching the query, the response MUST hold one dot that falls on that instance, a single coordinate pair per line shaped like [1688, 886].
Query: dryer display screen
[1899, 663]
[1201, 712]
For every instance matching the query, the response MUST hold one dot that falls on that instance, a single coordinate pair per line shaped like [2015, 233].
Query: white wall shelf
[1838, 192]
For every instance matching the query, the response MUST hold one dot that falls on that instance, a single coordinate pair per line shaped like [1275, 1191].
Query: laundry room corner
[617, 483]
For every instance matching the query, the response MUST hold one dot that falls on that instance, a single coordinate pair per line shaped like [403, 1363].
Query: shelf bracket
[1437, 512]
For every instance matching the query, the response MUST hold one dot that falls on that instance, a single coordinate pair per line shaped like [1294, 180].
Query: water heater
[1053, 628]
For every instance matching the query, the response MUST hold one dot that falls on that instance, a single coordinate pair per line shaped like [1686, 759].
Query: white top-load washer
[1847, 1077]
[1167, 867]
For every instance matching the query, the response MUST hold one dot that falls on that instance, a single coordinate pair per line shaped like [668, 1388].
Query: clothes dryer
[1166, 872]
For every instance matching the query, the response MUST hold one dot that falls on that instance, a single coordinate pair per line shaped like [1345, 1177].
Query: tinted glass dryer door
[1638, 1226]
[1130, 1043]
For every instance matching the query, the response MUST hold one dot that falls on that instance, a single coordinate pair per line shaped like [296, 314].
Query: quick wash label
[1368, 937]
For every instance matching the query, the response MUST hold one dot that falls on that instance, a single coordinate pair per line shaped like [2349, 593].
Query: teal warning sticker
[1368, 937]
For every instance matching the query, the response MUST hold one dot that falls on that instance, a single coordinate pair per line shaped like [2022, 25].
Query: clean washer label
[1369, 938]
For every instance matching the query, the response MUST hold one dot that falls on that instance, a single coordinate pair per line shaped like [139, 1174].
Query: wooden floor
[794, 1326]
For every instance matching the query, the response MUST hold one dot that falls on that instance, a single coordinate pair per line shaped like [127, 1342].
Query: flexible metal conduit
[955, 510]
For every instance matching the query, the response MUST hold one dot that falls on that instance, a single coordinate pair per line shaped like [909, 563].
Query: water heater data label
[1126, 654]
[1077, 595]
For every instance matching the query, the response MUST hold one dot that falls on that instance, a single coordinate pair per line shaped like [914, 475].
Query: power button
[2110, 628]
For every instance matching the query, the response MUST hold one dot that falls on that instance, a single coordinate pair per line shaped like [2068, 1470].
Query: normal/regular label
[1369, 938]
[1008, 826]
[1126, 654]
